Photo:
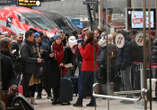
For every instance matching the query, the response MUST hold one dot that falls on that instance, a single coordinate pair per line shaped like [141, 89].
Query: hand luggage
[75, 85]
[66, 91]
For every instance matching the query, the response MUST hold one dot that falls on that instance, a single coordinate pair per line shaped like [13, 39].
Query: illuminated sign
[29, 3]
[135, 18]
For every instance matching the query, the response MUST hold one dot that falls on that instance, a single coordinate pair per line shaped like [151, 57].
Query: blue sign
[77, 22]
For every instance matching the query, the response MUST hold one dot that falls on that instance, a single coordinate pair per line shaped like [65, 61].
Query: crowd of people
[42, 61]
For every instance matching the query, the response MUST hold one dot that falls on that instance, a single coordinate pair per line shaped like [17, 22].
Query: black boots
[39, 96]
[49, 96]
[55, 101]
[78, 103]
[92, 103]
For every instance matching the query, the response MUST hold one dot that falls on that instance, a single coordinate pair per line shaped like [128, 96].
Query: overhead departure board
[29, 3]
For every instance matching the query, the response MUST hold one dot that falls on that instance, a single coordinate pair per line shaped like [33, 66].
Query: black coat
[136, 52]
[102, 56]
[7, 71]
[123, 59]
[51, 71]
[29, 57]
[68, 56]
[46, 48]
[154, 51]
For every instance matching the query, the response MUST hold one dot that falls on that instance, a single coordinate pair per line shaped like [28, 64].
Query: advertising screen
[135, 19]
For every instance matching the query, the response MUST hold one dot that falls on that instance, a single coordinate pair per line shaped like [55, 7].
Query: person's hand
[51, 55]
[62, 64]
[41, 69]
[39, 60]
[41, 51]
[13, 51]
[13, 86]
[79, 45]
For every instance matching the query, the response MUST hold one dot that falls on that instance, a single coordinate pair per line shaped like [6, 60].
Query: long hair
[90, 39]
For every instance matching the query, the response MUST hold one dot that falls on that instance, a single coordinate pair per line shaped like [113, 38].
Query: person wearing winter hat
[39, 51]
[57, 36]
[72, 41]
[58, 55]
[37, 37]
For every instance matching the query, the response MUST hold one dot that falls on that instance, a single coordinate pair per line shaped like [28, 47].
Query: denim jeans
[86, 80]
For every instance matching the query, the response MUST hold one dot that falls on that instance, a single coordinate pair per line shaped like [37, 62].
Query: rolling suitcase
[66, 90]
[75, 85]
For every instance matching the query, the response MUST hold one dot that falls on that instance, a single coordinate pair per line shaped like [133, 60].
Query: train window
[39, 21]
[26, 21]
[19, 17]
[8, 22]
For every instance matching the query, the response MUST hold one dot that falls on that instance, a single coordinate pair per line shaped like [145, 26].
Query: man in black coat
[31, 62]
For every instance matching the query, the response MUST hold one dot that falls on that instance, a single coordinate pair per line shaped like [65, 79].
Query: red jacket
[89, 63]
[58, 51]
